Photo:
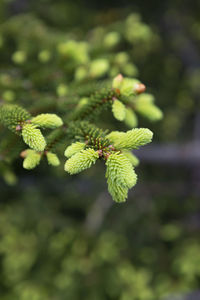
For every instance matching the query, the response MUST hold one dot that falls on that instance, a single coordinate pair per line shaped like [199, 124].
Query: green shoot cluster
[55, 88]
[88, 142]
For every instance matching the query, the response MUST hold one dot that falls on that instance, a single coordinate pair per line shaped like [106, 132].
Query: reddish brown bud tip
[18, 128]
[106, 155]
[139, 88]
[117, 91]
[119, 77]
[117, 81]
[111, 147]
[100, 152]
[23, 154]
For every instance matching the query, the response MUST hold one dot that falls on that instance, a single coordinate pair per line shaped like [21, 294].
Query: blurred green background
[62, 237]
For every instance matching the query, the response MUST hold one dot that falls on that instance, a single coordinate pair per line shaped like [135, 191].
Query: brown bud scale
[140, 88]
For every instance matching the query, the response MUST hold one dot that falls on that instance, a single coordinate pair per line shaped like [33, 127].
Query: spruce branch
[113, 149]
[19, 121]
[13, 116]
[57, 75]
[99, 101]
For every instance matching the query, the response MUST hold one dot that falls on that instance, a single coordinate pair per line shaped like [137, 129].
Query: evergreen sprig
[120, 176]
[47, 121]
[13, 116]
[19, 121]
[74, 148]
[88, 142]
[132, 139]
[113, 149]
[81, 160]
[33, 137]
[52, 159]
[119, 110]
[31, 160]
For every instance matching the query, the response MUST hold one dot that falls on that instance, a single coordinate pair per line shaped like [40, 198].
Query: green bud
[19, 57]
[74, 148]
[130, 69]
[111, 39]
[83, 101]
[119, 193]
[127, 86]
[120, 171]
[113, 71]
[145, 106]
[130, 118]
[145, 98]
[121, 58]
[31, 160]
[9, 177]
[47, 120]
[120, 176]
[152, 112]
[77, 51]
[99, 67]
[119, 110]
[81, 73]
[44, 56]
[117, 81]
[81, 161]
[62, 90]
[8, 96]
[133, 159]
[33, 137]
[53, 159]
[131, 139]
[13, 115]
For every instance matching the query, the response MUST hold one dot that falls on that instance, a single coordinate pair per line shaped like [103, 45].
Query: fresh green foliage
[61, 237]
[74, 148]
[12, 116]
[132, 139]
[81, 160]
[32, 159]
[33, 137]
[70, 85]
[120, 176]
[52, 159]
[119, 110]
[146, 107]
[90, 142]
[130, 118]
[19, 121]
[36, 237]
[132, 158]
[47, 121]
